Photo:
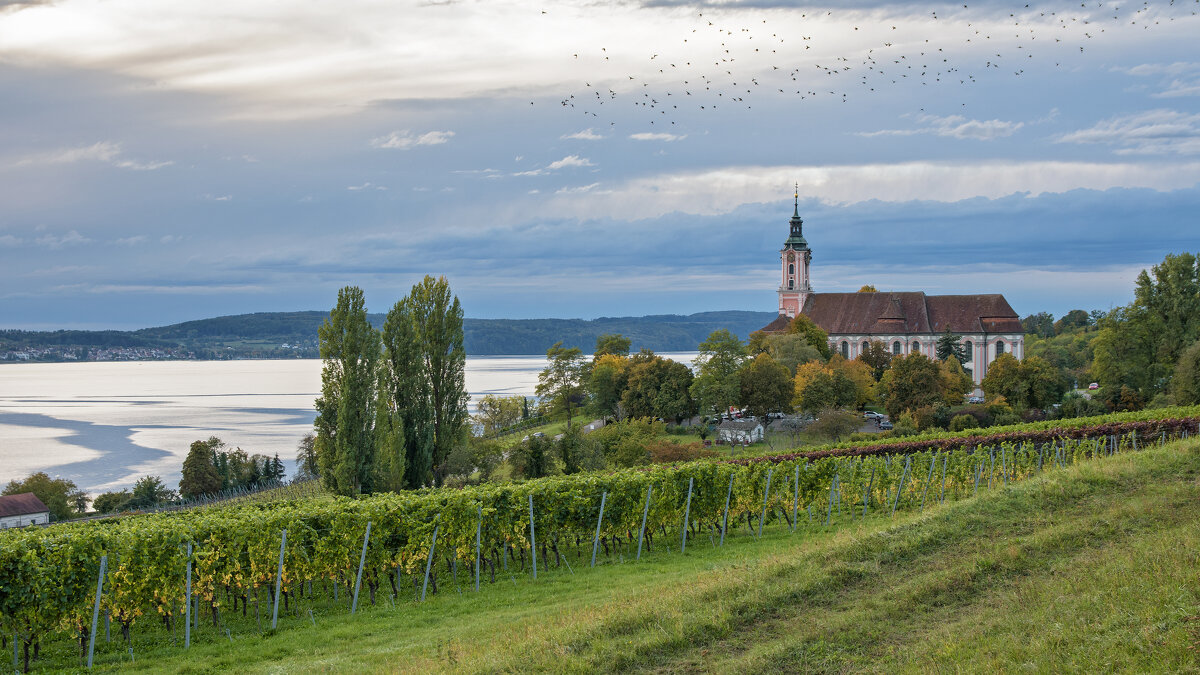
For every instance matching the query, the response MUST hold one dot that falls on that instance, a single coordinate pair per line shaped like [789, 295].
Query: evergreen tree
[306, 459]
[350, 349]
[948, 345]
[199, 475]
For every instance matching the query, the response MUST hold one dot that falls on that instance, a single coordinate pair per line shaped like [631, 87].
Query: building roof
[779, 325]
[908, 312]
[23, 504]
[739, 425]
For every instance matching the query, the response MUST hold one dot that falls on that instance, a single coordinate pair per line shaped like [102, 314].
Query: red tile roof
[23, 504]
[908, 312]
[779, 325]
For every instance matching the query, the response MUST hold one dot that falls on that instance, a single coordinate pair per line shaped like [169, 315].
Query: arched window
[999, 348]
[969, 350]
[916, 347]
[896, 347]
[845, 349]
[791, 268]
[862, 351]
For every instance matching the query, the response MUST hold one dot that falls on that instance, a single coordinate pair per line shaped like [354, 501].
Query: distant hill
[294, 335]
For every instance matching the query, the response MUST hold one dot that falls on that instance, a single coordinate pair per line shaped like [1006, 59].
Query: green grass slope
[1093, 568]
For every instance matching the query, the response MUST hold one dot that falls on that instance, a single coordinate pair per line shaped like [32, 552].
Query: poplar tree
[403, 413]
[438, 318]
[345, 418]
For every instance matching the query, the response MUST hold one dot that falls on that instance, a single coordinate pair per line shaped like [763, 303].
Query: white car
[872, 415]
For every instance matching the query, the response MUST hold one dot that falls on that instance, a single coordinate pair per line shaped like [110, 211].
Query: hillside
[294, 335]
[1082, 569]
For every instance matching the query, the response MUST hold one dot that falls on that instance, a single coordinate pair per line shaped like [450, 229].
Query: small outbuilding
[740, 432]
[22, 509]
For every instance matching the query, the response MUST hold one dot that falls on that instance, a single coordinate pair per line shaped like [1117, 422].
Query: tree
[1040, 324]
[716, 386]
[860, 375]
[149, 492]
[877, 357]
[111, 502]
[658, 387]
[802, 325]
[606, 382]
[1072, 321]
[766, 386]
[561, 382]
[834, 424]
[350, 348]
[791, 351]
[58, 494]
[911, 382]
[611, 343]
[438, 317]
[955, 381]
[1185, 384]
[199, 475]
[1004, 378]
[1031, 383]
[497, 413]
[828, 389]
[868, 288]
[406, 401]
[949, 345]
[533, 457]
[306, 459]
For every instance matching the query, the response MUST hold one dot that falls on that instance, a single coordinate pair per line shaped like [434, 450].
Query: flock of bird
[718, 66]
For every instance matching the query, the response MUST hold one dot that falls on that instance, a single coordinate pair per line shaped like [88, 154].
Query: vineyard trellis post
[187, 606]
[687, 512]
[829, 510]
[795, 498]
[429, 562]
[942, 494]
[725, 517]
[279, 580]
[900, 487]
[645, 512]
[867, 492]
[532, 539]
[766, 494]
[599, 520]
[478, 533]
[96, 610]
[357, 580]
[928, 480]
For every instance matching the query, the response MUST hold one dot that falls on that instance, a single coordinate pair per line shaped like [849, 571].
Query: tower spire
[796, 212]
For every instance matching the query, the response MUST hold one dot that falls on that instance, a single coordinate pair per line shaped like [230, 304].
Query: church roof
[779, 325]
[907, 312]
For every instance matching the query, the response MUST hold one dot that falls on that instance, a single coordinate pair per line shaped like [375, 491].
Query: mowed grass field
[1095, 568]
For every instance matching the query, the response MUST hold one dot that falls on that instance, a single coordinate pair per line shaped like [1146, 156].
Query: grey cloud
[1153, 132]
[954, 126]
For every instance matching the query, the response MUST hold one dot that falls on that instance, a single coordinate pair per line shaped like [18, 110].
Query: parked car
[871, 415]
[1094, 386]
[885, 425]
[974, 399]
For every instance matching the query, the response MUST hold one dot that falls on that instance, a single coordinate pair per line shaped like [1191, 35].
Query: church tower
[795, 257]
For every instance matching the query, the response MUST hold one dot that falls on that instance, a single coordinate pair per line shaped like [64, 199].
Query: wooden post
[532, 539]
[687, 512]
[187, 607]
[725, 517]
[928, 480]
[96, 610]
[829, 512]
[429, 562]
[279, 580]
[478, 531]
[796, 499]
[599, 520]
[1004, 463]
[362, 559]
[645, 512]
[766, 494]
[942, 495]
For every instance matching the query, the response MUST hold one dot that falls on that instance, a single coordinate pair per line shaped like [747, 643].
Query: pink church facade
[906, 322]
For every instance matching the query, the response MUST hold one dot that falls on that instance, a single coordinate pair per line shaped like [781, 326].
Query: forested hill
[294, 335]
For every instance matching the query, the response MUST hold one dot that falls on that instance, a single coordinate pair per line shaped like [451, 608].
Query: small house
[740, 432]
[21, 510]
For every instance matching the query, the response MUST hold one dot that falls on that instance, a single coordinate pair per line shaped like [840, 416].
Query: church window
[916, 346]
[864, 348]
[896, 347]
[845, 349]
[999, 348]
[969, 350]
[791, 268]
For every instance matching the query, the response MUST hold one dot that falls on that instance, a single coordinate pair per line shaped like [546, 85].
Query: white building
[740, 432]
[908, 322]
[21, 510]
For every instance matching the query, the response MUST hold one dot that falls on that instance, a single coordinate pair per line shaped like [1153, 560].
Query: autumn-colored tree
[956, 383]
[877, 357]
[611, 343]
[911, 382]
[1031, 383]
[860, 374]
[802, 325]
[868, 288]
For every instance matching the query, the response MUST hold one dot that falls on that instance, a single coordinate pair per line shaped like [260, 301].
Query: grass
[1096, 567]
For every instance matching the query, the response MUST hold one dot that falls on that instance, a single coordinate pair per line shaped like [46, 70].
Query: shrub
[665, 452]
[960, 422]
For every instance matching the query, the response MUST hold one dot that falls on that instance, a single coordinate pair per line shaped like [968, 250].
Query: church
[907, 322]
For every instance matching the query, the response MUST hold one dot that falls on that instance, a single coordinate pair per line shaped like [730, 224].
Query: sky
[162, 162]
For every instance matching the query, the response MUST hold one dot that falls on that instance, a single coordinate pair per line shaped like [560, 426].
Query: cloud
[106, 152]
[8, 241]
[576, 190]
[1153, 132]
[647, 136]
[132, 241]
[365, 186]
[55, 241]
[954, 126]
[569, 160]
[403, 140]
[585, 135]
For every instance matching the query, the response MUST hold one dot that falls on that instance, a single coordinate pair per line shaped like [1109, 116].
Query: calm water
[103, 425]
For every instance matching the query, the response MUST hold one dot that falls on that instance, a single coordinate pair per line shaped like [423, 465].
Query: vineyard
[181, 572]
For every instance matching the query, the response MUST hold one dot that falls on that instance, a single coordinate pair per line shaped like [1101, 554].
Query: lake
[105, 424]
